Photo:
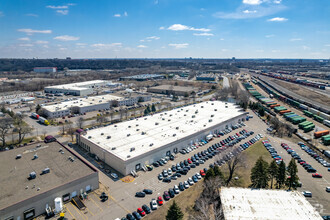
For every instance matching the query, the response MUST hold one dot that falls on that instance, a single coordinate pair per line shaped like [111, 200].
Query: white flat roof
[160, 129]
[82, 102]
[262, 204]
[78, 86]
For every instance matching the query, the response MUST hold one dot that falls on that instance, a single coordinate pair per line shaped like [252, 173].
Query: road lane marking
[67, 208]
[95, 203]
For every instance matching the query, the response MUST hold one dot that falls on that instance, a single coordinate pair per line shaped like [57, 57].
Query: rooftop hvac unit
[169, 119]
[137, 129]
[212, 116]
[102, 133]
[132, 149]
[145, 118]
[89, 137]
[18, 156]
[156, 123]
[216, 109]
[128, 156]
[193, 116]
[151, 144]
[174, 135]
[163, 119]
[113, 148]
[212, 103]
[202, 106]
[143, 133]
[44, 171]
[210, 120]
[226, 106]
[108, 137]
[196, 111]
[187, 110]
[137, 125]
[32, 175]
[129, 126]
[177, 128]
[115, 126]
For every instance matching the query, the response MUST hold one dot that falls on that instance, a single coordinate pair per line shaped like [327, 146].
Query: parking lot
[122, 198]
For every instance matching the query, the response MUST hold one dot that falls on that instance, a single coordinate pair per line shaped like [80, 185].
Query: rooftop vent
[108, 137]
[177, 128]
[132, 149]
[143, 133]
[193, 116]
[137, 125]
[145, 118]
[151, 144]
[226, 106]
[212, 103]
[187, 110]
[89, 137]
[169, 119]
[129, 126]
[113, 148]
[102, 133]
[202, 106]
[18, 156]
[35, 157]
[174, 135]
[137, 129]
[156, 123]
[216, 109]
[212, 116]
[115, 126]
[71, 159]
[210, 120]
[128, 156]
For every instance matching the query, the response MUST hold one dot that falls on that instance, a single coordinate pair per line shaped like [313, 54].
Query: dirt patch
[300, 90]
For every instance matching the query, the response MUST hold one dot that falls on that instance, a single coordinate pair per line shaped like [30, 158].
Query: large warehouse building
[33, 176]
[129, 145]
[89, 104]
[79, 89]
[174, 90]
[246, 203]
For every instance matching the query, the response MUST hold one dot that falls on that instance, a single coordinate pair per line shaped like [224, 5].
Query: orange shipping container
[284, 111]
[321, 133]
[273, 106]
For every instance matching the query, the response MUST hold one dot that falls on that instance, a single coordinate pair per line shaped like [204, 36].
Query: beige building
[173, 90]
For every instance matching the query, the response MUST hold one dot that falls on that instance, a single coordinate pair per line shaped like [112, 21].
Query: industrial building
[173, 90]
[90, 104]
[45, 69]
[246, 203]
[143, 77]
[130, 145]
[32, 177]
[206, 77]
[78, 89]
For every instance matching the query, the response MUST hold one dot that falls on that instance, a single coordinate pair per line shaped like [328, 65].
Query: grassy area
[185, 200]
[251, 155]
[25, 140]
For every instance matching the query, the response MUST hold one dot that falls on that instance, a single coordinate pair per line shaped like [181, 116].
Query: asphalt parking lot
[122, 198]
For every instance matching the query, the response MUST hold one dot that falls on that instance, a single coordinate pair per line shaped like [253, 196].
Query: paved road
[225, 82]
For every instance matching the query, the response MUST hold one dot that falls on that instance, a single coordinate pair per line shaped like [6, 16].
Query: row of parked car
[272, 151]
[302, 162]
[314, 155]
[167, 195]
[183, 167]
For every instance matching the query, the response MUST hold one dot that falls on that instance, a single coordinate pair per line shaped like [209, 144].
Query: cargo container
[314, 111]
[27, 99]
[320, 133]
[309, 128]
[318, 118]
[304, 124]
[43, 121]
[271, 103]
[279, 108]
[297, 120]
[326, 122]
[273, 106]
[284, 111]
[304, 107]
[289, 114]
[326, 139]
[324, 115]
[307, 113]
[35, 115]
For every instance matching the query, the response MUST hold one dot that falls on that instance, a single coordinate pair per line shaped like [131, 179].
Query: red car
[302, 162]
[160, 200]
[202, 172]
[316, 175]
[141, 212]
[189, 160]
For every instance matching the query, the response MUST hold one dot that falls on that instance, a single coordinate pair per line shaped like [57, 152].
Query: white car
[327, 189]
[307, 193]
[169, 171]
[198, 176]
[176, 189]
[153, 204]
[190, 181]
[186, 185]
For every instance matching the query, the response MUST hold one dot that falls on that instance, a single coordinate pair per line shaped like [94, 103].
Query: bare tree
[70, 130]
[101, 119]
[63, 128]
[21, 127]
[233, 164]
[80, 122]
[111, 115]
[5, 125]
[44, 133]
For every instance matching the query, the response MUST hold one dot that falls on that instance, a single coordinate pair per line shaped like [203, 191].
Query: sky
[165, 29]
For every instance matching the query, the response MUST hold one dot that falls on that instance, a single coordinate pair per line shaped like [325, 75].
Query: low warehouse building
[130, 145]
[33, 176]
[173, 90]
[245, 203]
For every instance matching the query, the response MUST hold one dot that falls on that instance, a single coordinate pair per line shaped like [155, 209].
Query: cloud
[141, 46]
[100, 45]
[32, 15]
[304, 47]
[327, 45]
[179, 46]
[277, 1]
[221, 39]
[63, 12]
[277, 19]
[117, 15]
[161, 28]
[24, 39]
[295, 39]
[224, 50]
[249, 12]
[203, 34]
[81, 44]
[66, 38]
[41, 42]
[26, 45]
[57, 7]
[29, 31]
[153, 38]
[125, 14]
[181, 27]
[270, 36]
[252, 2]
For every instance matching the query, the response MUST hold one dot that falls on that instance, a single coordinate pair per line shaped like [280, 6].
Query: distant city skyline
[165, 29]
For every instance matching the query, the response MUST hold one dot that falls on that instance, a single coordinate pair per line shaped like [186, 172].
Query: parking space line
[90, 211]
[81, 214]
[113, 199]
[96, 204]
[67, 208]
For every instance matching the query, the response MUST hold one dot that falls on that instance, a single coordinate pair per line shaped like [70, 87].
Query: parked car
[176, 189]
[137, 215]
[140, 194]
[307, 193]
[166, 195]
[147, 191]
[160, 201]
[141, 212]
[146, 209]
[316, 175]
[153, 204]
